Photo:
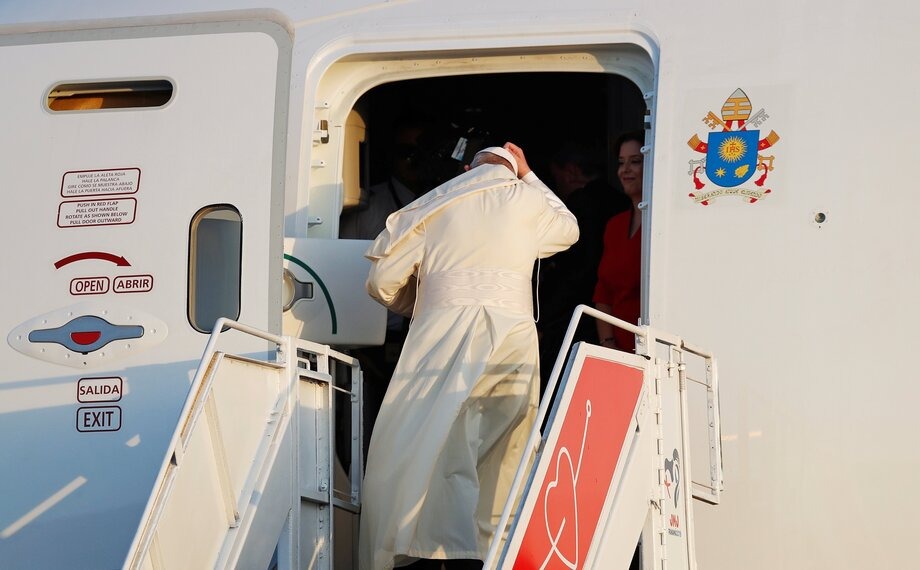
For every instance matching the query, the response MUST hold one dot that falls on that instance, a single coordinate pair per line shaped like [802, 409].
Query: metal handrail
[646, 336]
[153, 509]
[535, 433]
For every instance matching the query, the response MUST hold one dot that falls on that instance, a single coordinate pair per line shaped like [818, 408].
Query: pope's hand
[518, 154]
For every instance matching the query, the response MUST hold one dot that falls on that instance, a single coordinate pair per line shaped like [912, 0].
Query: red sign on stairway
[578, 465]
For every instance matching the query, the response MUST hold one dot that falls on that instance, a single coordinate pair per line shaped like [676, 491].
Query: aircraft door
[325, 298]
[144, 193]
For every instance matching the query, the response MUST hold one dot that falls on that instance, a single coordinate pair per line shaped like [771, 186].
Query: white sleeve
[391, 280]
[558, 228]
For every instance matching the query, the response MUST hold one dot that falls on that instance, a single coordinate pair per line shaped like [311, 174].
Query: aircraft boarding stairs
[264, 467]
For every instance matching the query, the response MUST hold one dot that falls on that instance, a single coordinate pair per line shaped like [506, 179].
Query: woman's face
[630, 169]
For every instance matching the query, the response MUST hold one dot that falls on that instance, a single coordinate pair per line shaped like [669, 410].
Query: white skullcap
[504, 153]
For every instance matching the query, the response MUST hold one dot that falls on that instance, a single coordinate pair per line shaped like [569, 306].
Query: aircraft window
[214, 266]
[110, 95]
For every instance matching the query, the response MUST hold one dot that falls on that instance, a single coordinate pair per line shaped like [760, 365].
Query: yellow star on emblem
[720, 172]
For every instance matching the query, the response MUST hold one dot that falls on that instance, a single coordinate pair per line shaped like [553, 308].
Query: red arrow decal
[116, 259]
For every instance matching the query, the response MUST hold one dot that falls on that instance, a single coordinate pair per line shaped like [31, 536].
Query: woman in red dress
[618, 276]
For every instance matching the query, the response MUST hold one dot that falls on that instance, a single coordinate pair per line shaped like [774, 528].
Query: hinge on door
[648, 96]
[321, 134]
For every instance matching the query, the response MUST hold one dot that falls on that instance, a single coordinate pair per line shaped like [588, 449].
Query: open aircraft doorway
[543, 99]
[403, 138]
[427, 129]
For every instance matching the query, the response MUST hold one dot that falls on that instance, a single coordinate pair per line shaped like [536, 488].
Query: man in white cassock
[464, 395]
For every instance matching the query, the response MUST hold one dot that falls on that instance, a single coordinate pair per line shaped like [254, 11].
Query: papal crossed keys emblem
[732, 152]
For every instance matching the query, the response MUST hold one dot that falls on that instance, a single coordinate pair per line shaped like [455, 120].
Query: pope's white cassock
[464, 394]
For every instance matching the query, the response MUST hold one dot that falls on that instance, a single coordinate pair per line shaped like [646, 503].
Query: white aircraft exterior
[795, 264]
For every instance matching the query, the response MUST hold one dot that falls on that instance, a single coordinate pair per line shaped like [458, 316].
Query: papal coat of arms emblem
[732, 153]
